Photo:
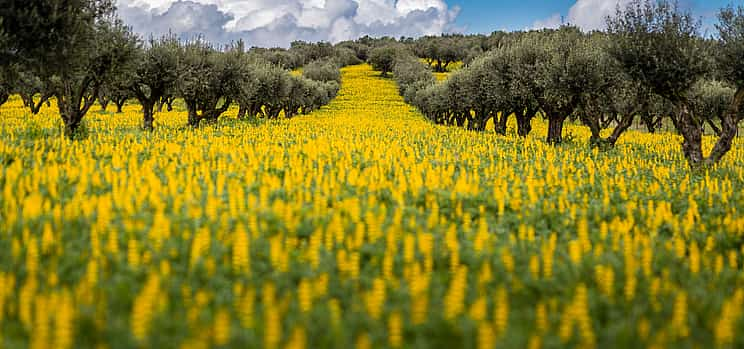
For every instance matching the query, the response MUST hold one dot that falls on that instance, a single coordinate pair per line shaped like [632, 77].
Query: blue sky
[485, 16]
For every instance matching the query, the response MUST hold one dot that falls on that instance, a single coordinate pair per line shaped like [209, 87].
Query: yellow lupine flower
[222, 327]
[395, 330]
[63, 322]
[241, 250]
[679, 325]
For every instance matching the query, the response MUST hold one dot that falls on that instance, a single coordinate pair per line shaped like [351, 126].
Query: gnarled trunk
[104, 102]
[148, 116]
[729, 128]
[119, 106]
[499, 122]
[555, 129]
[72, 124]
[209, 112]
[74, 101]
[71, 117]
[242, 110]
[692, 135]
[592, 121]
[35, 107]
[524, 121]
[625, 122]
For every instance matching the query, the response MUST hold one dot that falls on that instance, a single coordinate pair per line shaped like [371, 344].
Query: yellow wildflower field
[360, 225]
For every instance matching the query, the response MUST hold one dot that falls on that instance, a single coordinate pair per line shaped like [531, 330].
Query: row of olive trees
[210, 81]
[650, 64]
[78, 52]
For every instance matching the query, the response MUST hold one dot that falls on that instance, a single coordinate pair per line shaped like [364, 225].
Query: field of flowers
[360, 225]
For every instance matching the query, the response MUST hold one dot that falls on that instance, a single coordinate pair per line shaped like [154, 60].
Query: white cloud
[279, 22]
[585, 14]
[551, 22]
[592, 14]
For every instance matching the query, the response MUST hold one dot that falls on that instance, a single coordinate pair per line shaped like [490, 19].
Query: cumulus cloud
[279, 22]
[552, 22]
[592, 14]
[585, 14]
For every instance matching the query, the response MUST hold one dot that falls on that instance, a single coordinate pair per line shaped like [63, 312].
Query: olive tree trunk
[524, 121]
[74, 101]
[120, 105]
[148, 119]
[729, 127]
[500, 120]
[555, 129]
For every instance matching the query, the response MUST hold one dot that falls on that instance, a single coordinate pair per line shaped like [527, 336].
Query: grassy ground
[363, 225]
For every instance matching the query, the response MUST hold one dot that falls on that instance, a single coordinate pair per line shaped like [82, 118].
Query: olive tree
[33, 91]
[208, 80]
[730, 61]
[322, 71]
[568, 70]
[658, 46]
[383, 58]
[153, 74]
[613, 99]
[264, 89]
[411, 76]
[525, 57]
[116, 90]
[441, 51]
[71, 45]
[709, 100]
[278, 56]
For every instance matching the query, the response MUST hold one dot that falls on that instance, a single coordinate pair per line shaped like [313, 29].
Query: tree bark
[500, 120]
[119, 106]
[713, 126]
[34, 106]
[242, 111]
[555, 129]
[594, 127]
[193, 117]
[692, 134]
[72, 124]
[148, 117]
[4, 97]
[74, 102]
[104, 102]
[623, 125]
[729, 128]
[524, 121]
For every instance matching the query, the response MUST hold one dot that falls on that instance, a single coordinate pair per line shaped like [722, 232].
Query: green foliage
[411, 76]
[383, 58]
[730, 57]
[710, 100]
[658, 45]
[51, 34]
[323, 71]
[441, 51]
[208, 80]
[277, 56]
